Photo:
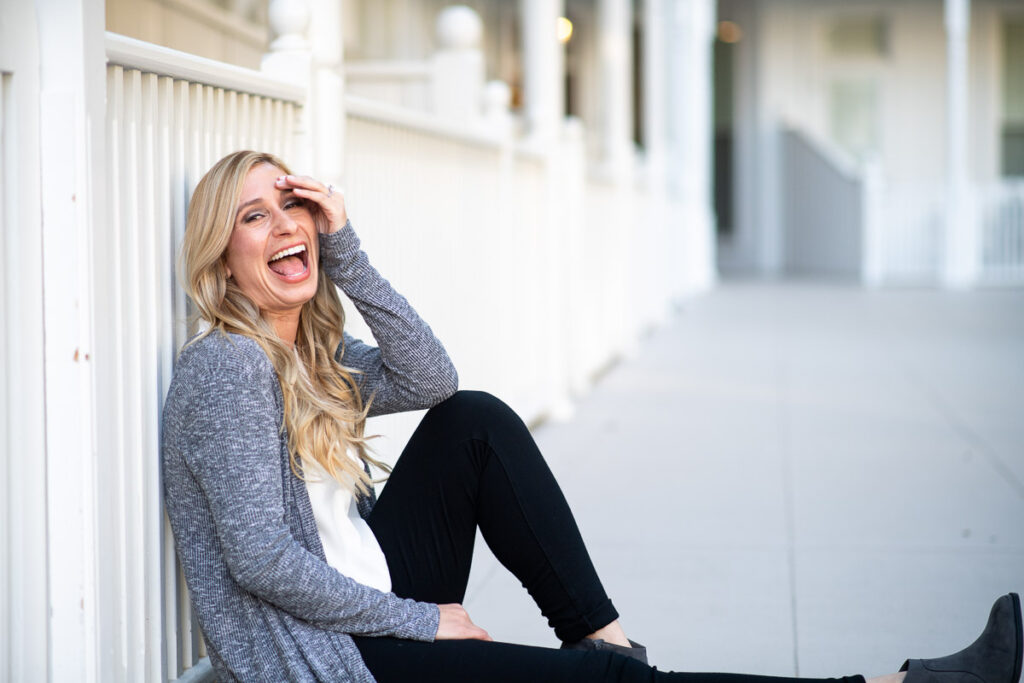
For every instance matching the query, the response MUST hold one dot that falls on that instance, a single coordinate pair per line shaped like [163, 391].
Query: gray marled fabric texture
[270, 607]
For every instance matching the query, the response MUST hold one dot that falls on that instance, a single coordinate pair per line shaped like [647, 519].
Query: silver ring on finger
[330, 190]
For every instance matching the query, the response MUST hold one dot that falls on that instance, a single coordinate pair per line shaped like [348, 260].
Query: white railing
[405, 83]
[169, 117]
[457, 221]
[533, 276]
[911, 233]
[1000, 220]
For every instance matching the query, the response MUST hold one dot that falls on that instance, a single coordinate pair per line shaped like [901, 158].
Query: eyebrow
[257, 200]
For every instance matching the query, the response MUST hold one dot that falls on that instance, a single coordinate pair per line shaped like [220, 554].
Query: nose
[283, 223]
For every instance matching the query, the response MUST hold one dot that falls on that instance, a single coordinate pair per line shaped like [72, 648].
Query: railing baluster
[163, 134]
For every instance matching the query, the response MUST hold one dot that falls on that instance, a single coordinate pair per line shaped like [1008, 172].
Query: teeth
[290, 251]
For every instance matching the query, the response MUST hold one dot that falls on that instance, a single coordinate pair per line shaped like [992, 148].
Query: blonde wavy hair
[324, 414]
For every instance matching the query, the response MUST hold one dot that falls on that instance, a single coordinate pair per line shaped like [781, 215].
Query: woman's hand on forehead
[332, 215]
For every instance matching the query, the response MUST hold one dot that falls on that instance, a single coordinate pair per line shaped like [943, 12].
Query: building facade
[871, 140]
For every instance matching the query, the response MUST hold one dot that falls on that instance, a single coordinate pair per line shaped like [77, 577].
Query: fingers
[327, 198]
[455, 624]
[302, 181]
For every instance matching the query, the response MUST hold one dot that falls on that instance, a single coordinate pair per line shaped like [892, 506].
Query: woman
[295, 570]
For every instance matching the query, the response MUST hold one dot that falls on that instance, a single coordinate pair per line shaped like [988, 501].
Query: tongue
[289, 265]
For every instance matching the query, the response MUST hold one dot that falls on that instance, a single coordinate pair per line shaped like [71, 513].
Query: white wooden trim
[6, 403]
[23, 506]
[361, 107]
[70, 109]
[138, 54]
[388, 69]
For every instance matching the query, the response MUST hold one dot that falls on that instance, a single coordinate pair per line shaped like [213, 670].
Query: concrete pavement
[798, 479]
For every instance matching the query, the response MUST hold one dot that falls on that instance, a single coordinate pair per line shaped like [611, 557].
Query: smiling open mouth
[290, 262]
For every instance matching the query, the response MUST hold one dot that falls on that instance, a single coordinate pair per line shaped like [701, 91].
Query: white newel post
[291, 58]
[458, 67]
[543, 70]
[496, 101]
[961, 262]
[326, 103]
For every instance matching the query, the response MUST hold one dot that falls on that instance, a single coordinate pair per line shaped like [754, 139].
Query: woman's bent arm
[411, 369]
[222, 423]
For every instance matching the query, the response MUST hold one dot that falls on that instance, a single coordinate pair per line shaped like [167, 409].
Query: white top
[348, 542]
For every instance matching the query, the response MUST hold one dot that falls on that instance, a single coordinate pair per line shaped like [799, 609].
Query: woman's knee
[475, 410]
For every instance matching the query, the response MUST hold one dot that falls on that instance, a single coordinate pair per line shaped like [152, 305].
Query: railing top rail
[138, 54]
[389, 69]
[408, 118]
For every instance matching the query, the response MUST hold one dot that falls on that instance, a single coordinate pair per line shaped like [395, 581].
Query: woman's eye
[252, 217]
[292, 203]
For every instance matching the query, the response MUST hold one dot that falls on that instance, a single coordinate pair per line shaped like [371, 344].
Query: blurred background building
[544, 179]
[879, 140]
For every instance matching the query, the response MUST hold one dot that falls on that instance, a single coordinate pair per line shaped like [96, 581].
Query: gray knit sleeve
[409, 369]
[227, 431]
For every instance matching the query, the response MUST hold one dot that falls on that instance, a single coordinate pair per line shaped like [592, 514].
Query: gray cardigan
[269, 605]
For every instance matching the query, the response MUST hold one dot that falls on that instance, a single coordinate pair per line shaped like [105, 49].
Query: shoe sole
[1020, 635]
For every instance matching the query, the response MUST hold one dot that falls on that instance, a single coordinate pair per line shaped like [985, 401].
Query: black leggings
[473, 463]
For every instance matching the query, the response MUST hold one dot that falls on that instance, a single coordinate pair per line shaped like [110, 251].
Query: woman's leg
[392, 660]
[472, 462]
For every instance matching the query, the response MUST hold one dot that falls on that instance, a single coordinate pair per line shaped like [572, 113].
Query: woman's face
[272, 254]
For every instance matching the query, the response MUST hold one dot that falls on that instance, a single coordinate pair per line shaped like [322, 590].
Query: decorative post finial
[289, 20]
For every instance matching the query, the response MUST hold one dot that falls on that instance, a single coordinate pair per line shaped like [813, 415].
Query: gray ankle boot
[637, 651]
[995, 657]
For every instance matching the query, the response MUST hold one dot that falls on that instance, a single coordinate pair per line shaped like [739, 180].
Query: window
[853, 115]
[859, 37]
[1013, 98]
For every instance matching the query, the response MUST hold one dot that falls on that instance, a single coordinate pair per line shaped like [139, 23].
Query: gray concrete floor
[798, 479]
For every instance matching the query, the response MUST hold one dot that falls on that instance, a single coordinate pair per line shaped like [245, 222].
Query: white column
[615, 56]
[24, 617]
[71, 116]
[543, 69]
[689, 45]
[655, 80]
[290, 58]
[961, 261]
[655, 250]
[458, 66]
[700, 129]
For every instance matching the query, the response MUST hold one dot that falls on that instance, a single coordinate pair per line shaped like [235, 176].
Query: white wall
[199, 27]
